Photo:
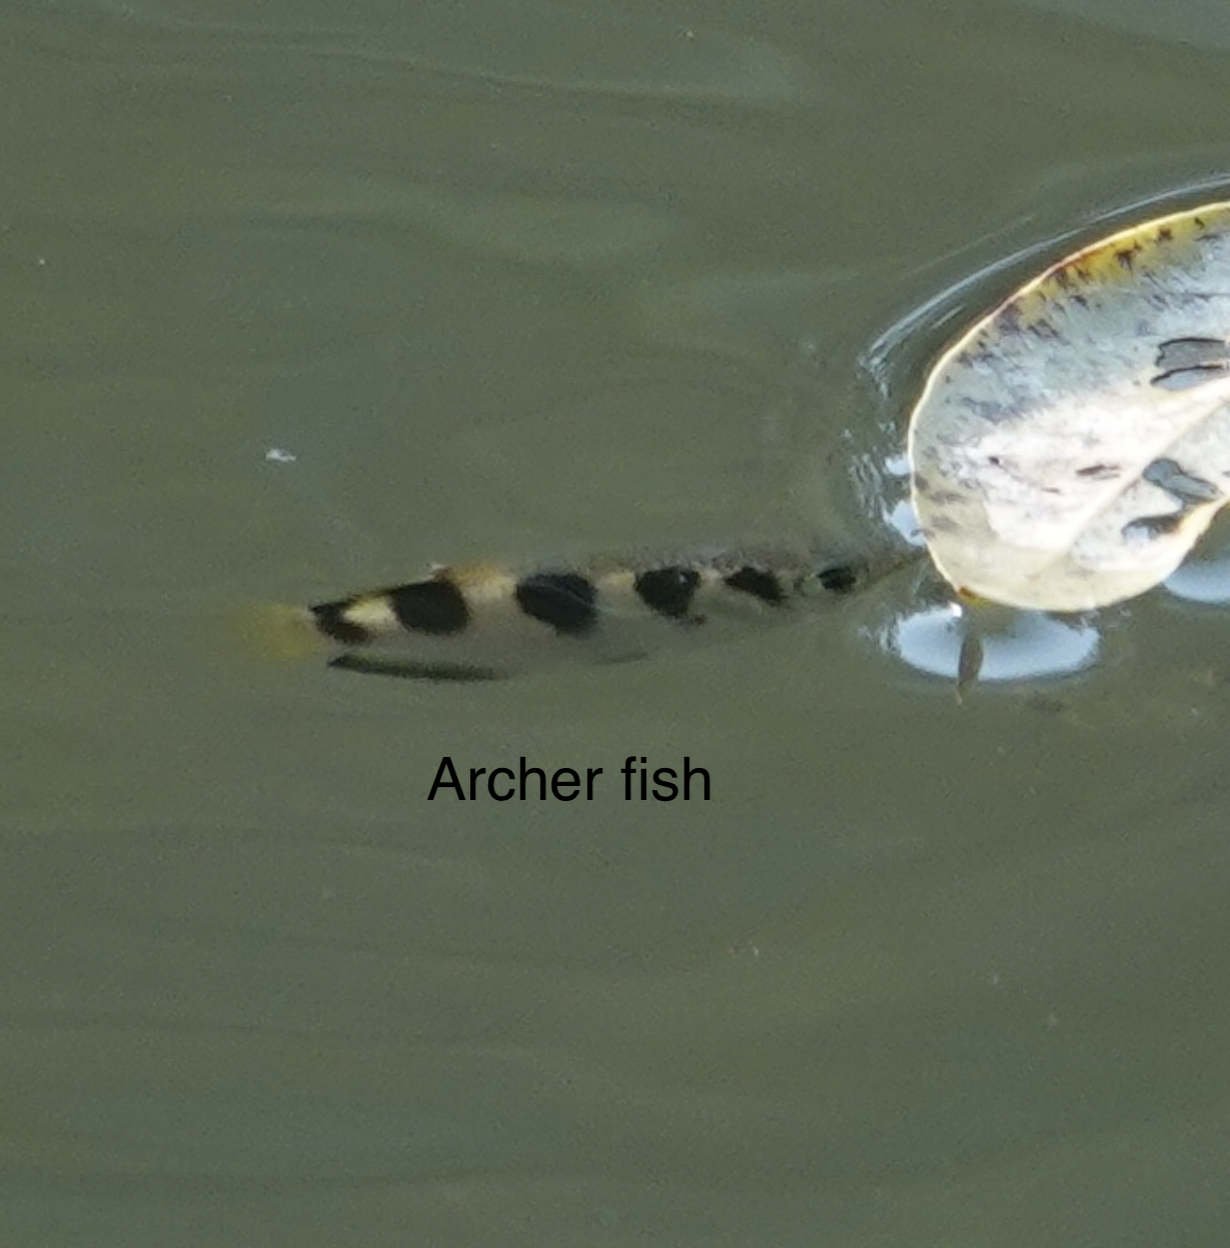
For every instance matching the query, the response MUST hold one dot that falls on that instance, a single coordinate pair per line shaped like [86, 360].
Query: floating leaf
[1071, 447]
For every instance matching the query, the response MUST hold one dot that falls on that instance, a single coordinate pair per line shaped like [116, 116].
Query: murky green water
[514, 279]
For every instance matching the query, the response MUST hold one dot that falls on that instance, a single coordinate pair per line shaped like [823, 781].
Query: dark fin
[668, 591]
[1169, 475]
[1188, 378]
[567, 601]
[1193, 353]
[332, 622]
[408, 669]
[758, 583]
[437, 607]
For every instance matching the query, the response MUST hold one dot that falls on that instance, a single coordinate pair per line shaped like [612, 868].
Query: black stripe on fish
[332, 621]
[758, 583]
[840, 578]
[437, 607]
[567, 601]
[668, 591]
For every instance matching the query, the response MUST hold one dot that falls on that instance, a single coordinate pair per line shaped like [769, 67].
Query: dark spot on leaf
[1010, 317]
[1184, 363]
[1188, 378]
[1189, 489]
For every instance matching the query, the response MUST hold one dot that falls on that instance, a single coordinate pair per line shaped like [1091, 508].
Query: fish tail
[277, 631]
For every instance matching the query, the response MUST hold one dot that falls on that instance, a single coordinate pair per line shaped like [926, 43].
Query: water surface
[509, 280]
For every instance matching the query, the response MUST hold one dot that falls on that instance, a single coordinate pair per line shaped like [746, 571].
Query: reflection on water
[1204, 576]
[1192, 23]
[1026, 645]
[589, 51]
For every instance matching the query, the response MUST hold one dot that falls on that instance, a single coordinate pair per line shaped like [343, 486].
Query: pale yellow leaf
[1069, 449]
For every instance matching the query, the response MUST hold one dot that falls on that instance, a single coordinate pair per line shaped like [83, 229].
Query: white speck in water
[904, 519]
[278, 455]
[1204, 579]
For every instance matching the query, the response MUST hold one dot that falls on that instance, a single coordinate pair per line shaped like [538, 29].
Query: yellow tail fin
[276, 631]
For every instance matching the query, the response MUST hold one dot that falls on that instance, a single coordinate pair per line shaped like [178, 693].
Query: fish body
[490, 621]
